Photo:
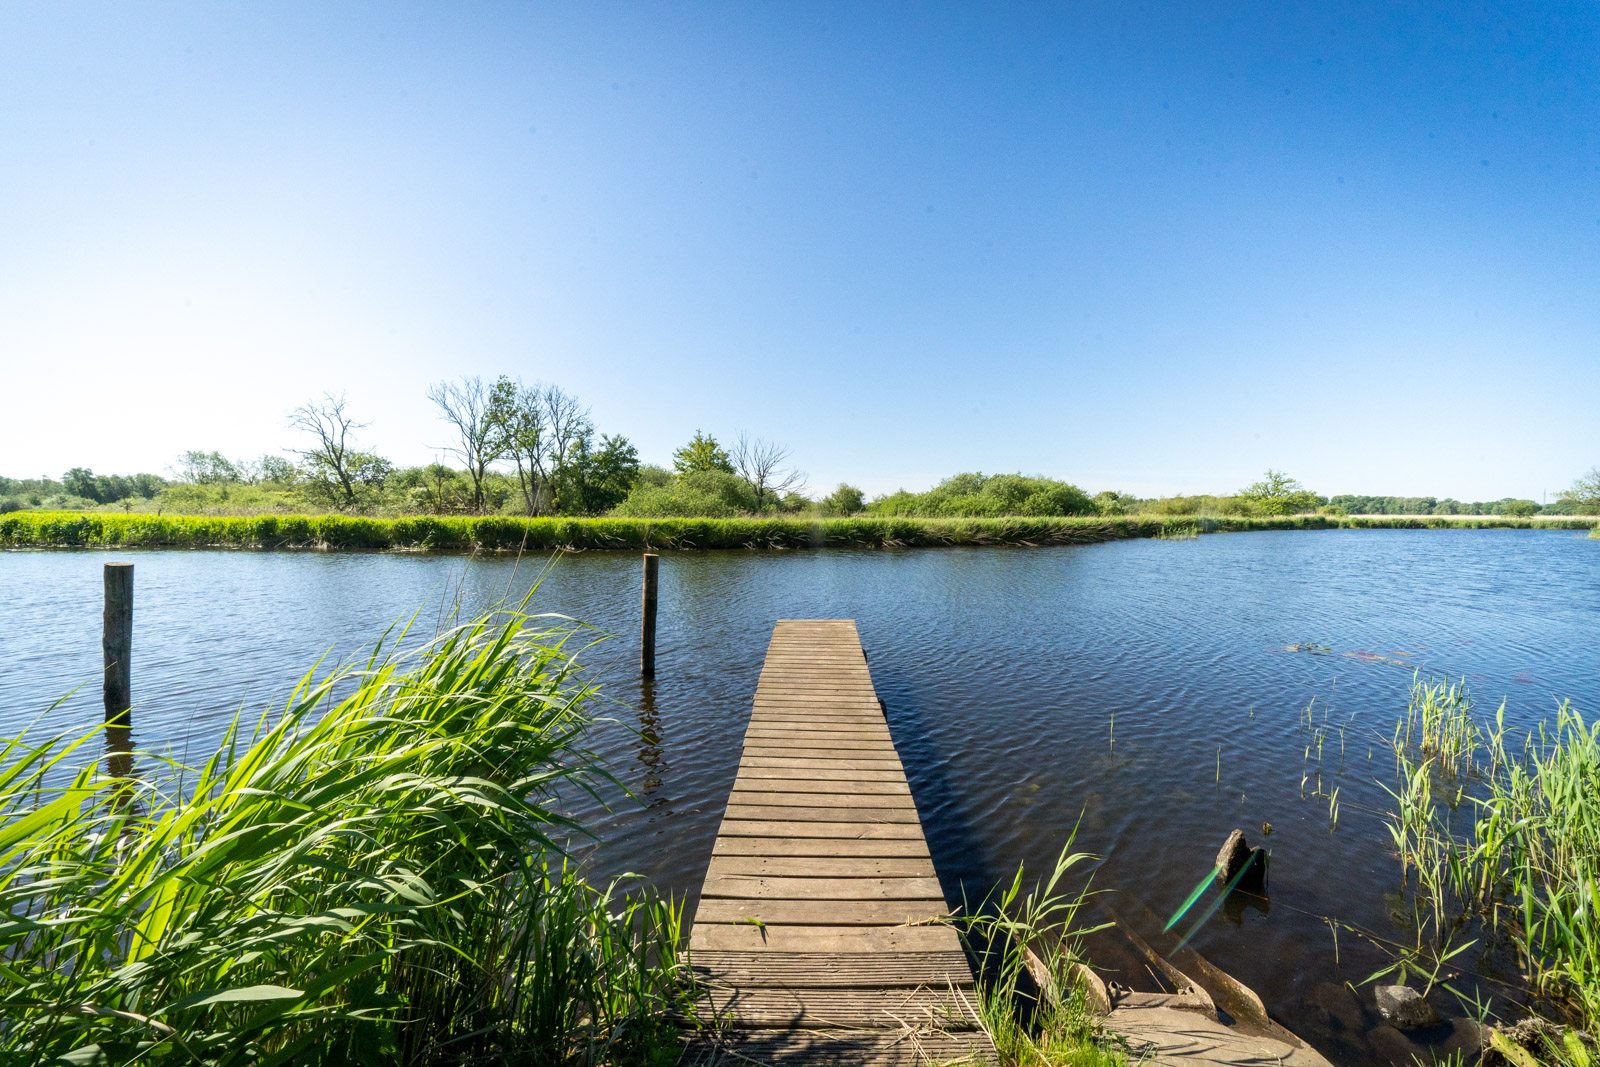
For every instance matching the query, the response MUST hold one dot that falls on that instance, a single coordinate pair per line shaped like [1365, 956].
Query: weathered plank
[816, 867]
[879, 756]
[756, 887]
[756, 781]
[834, 970]
[746, 937]
[817, 912]
[820, 768]
[816, 1009]
[819, 847]
[824, 816]
[742, 794]
[814, 771]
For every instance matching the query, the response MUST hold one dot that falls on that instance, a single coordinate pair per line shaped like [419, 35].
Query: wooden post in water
[647, 626]
[116, 641]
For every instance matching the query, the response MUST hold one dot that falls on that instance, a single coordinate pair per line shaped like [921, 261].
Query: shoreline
[54, 530]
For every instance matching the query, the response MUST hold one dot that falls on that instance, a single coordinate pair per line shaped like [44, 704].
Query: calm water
[1002, 670]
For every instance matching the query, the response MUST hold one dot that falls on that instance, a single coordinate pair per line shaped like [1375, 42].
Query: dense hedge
[46, 529]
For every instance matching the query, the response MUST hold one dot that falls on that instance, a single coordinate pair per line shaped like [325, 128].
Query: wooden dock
[815, 939]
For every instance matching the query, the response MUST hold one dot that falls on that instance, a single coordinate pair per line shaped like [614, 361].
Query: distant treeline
[534, 451]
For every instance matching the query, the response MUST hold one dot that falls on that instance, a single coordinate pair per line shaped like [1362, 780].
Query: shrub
[699, 494]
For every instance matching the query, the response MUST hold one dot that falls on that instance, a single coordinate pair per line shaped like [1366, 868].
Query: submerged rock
[1238, 860]
[1405, 1008]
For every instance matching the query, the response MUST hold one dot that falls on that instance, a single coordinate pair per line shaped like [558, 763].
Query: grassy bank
[44, 529]
[374, 877]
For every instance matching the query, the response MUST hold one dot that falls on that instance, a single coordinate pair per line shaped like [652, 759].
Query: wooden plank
[742, 797]
[839, 1048]
[818, 732]
[837, 750]
[835, 816]
[876, 756]
[819, 847]
[815, 1009]
[814, 867]
[816, 912]
[842, 746]
[733, 826]
[826, 768]
[745, 937]
[748, 782]
[833, 970]
[758, 768]
[757, 887]
[843, 731]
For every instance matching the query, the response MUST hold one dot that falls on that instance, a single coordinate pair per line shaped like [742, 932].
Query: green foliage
[1585, 493]
[1278, 494]
[702, 455]
[110, 488]
[1524, 865]
[699, 494]
[1111, 502]
[596, 480]
[206, 468]
[844, 500]
[1518, 508]
[374, 877]
[1031, 998]
[992, 495]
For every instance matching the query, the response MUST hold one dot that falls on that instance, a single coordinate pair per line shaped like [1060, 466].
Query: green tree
[206, 468]
[1585, 493]
[1278, 494]
[595, 480]
[80, 481]
[702, 453]
[1110, 502]
[1518, 509]
[844, 500]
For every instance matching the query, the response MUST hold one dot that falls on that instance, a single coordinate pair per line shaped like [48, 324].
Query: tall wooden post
[647, 626]
[116, 641]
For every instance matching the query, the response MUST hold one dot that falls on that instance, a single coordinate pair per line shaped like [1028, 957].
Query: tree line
[535, 450]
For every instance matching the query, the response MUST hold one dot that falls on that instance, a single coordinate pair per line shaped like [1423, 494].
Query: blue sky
[1154, 248]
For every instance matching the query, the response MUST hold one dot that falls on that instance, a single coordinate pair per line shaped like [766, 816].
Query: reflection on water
[1153, 694]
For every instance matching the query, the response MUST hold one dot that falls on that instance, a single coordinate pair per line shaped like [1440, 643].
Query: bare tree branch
[465, 404]
[762, 464]
[332, 453]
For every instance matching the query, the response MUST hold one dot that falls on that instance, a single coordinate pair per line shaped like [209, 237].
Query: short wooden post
[647, 626]
[116, 642]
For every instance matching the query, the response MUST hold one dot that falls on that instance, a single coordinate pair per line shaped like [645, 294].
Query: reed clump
[1031, 999]
[374, 876]
[1511, 855]
[1439, 724]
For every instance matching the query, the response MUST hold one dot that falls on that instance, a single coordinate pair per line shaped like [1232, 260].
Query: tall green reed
[1513, 853]
[1028, 946]
[374, 877]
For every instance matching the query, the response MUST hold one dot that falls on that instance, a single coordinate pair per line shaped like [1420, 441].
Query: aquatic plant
[1028, 947]
[1523, 866]
[1439, 724]
[374, 876]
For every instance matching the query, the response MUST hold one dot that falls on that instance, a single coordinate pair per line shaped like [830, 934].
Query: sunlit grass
[374, 876]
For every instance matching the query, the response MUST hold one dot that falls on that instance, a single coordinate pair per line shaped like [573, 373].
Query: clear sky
[1153, 248]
